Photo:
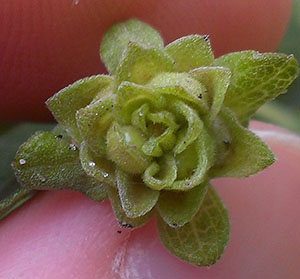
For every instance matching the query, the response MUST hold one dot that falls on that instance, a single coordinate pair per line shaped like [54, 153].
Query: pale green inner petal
[161, 174]
[139, 118]
[131, 97]
[124, 148]
[181, 86]
[195, 125]
[187, 162]
[191, 173]
[164, 125]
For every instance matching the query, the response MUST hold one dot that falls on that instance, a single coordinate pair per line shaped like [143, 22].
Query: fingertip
[63, 234]
[46, 46]
[60, 235]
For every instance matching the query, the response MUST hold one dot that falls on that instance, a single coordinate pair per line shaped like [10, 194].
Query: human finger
[65, 235]
[45, 45]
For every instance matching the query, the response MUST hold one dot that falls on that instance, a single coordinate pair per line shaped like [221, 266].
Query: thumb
[60, 235]
[65, 235]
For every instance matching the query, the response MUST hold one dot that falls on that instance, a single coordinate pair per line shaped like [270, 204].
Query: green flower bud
[152, 135]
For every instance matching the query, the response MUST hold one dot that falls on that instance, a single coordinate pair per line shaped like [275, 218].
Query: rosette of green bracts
[151, 135]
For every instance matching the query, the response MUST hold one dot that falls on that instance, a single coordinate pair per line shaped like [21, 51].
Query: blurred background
[285, 110]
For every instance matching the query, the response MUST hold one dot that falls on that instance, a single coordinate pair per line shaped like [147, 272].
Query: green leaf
[216, 81]
[14, 201]
[93, 121]
[48, 162]
[97, 193]
[185, 171]
[256, 79]
[179, 208]
[188, 135]
[160, 128]
[139, 118]
[99, 168]
[131, 97]
[61, 133]
[190, 52]
[119, 213]
[221, 136]
[247, 153]
[181, 86]
[96, 166]
[11, 136]
[161, 174]
[67, 101]
[194, 163]
[124, 146]
[136, 198]
[139, 65]
[119, 35]
[10, 139]
[203, 240]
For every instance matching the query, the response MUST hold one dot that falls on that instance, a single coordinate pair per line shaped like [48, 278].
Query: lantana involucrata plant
[152, 134]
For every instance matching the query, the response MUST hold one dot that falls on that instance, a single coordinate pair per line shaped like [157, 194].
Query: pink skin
[65, 235]
[45, 45]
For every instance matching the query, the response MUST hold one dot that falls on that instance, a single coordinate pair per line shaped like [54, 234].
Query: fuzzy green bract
[150, 136]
